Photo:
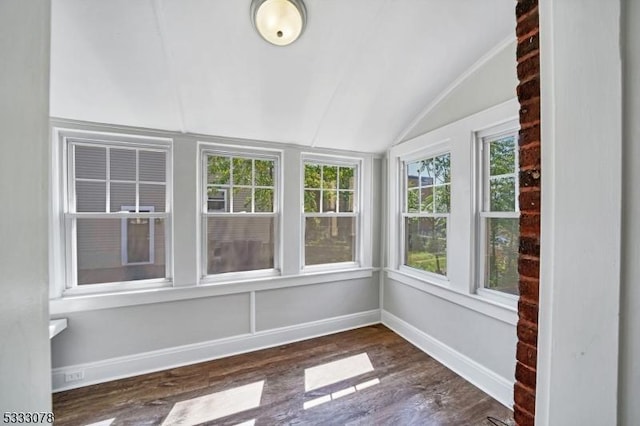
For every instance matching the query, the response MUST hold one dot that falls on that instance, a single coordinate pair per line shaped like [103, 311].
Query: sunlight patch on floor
[216, 405]
[336, 371]
[103, 422]
[339, 394]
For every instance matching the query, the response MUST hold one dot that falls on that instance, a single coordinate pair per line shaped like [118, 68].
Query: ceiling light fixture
[279, 22]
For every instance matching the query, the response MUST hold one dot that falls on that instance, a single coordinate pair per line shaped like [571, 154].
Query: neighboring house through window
[117, 212]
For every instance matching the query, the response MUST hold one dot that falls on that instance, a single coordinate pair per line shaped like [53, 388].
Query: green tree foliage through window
[501, 228]
[428, 201]
[330, 221]
[240, 184]
[250, 181]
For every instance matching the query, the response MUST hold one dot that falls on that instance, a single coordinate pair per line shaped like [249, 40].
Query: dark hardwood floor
[368, 376]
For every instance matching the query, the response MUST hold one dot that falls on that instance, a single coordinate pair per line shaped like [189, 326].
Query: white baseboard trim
[148, 362]
[493, 384]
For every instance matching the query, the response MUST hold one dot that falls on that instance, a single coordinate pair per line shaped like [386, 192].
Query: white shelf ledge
[56, 326]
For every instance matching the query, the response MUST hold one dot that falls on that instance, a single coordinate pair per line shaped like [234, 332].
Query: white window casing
[104, 199]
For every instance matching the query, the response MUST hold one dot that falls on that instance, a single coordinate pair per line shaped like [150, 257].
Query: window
[330, 212]
[499, 216]
[425, 213]
[240, 212]
[117, 215]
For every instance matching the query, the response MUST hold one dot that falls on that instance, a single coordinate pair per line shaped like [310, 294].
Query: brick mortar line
[534, 32]
[529, 124]
[525, 15]
[529, 55]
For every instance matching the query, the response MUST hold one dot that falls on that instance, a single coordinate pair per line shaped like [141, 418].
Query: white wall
[24, 109]
[491, 81]
[629, 375]
[486, 340]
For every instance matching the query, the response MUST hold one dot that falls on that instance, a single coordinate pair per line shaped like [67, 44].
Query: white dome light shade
[279, 22]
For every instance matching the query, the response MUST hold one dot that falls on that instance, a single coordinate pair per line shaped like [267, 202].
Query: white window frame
[66, 193]
[438, 150]
[207, 149]
[327, 160]
[124, 230]
[482, 139]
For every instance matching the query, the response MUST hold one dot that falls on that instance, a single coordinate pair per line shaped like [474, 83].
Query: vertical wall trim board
[579, 299]
[252, 312]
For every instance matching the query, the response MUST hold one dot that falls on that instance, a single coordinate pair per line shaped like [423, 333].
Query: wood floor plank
[405, 387]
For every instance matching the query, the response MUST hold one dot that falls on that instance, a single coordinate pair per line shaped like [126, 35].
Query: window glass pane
[426, 172]
[502, 193]
[501, 261]
[263, 200]
[91, 196]
[116, 250]
[442, 169]
[153, 166]
[122, 164]
[242, 171]
[312, 176]
[413, 174]
[218, 170]
[426, 244]
[123, 194]
[153, 195]
[346, 201]
[329, 177]
[237, 244]
[347, 178]
[426, 199]
[242, 200]
[264, 172]
[502, 156]
[90, 162]
[311, 201]
[413, 200]
[329, 240]
[329, 201]
[217, 199]
[442, 200]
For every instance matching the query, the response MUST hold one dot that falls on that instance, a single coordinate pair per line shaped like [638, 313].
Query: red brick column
[527, 30]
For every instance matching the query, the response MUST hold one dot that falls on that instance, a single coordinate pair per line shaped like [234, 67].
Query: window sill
[56, 326]
[492, 308]
[329, 267]
[117, 287]
[89, 302]
[425, 276]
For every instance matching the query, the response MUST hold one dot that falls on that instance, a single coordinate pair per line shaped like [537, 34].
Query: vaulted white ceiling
[360, 73]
